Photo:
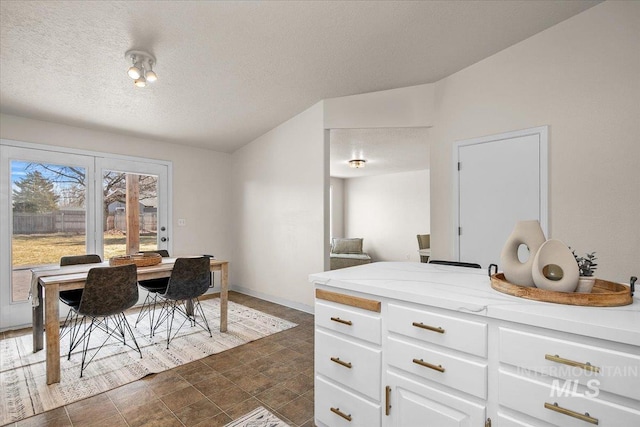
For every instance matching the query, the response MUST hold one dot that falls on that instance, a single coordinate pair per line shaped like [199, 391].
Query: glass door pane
[133, 206]
[48, 205]
[130, 207]
[45, 215]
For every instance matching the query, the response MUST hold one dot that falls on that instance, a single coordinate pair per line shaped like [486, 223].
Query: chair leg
[173, 313]
[189, 311]
[85, 344]
[119, 331]
[197, 307]
[77, 321]
[127, 328]
[148, 309]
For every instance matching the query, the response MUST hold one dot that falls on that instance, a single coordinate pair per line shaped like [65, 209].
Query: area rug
[260, 417]
[23, 387]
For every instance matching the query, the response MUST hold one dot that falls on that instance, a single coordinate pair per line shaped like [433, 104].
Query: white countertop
[469, 290]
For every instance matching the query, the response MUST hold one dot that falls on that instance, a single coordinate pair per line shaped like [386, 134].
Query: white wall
[337, 207]
[201, 191]
[402, 107]
[582, 78]
[388, 211]
[280, 186]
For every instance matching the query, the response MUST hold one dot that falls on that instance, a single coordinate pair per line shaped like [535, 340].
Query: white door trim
[543, 136]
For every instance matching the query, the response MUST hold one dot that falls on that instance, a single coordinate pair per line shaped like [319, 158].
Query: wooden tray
[140, 260]
[604, 293]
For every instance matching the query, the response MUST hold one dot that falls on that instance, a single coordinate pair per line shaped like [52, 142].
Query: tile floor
[275, 372]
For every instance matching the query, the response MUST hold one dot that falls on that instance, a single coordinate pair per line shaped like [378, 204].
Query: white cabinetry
[564, 382]
[435, 367]
[413, 345]
[348, 360]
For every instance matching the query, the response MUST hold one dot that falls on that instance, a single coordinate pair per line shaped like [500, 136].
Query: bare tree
[113, 185]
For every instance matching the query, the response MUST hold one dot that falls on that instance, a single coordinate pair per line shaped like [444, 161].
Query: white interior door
[501, 179]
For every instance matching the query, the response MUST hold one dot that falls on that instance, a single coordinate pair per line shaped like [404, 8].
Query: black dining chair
[189, 279]
[455, 263]
[72, 297]
[108, 292]
[153, 287]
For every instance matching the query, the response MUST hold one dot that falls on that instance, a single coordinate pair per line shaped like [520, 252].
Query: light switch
[182, 222]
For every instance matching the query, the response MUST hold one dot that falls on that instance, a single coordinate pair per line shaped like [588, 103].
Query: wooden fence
[73, 222]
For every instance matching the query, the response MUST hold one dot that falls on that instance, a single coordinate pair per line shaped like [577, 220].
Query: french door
[55, 203]
[133, 206]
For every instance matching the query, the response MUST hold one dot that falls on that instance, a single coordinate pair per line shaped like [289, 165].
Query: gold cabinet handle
[586, 366]
[387, 400]
[341, 362]
[584, 417]
[344, 322]
[421, 325]
[421, 362]
[342, 414]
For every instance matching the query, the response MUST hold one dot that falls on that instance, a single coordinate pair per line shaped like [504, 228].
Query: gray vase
[530, 234]
[555, 268]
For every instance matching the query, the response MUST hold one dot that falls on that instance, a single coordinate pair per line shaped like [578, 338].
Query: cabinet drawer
[330, 401]
[447, 331]
[349, 363]
[453, 371]
[351, 321]
[615, 372]
[529, 396]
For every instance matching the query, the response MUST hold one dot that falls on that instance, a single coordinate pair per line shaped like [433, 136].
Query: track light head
[141, 71]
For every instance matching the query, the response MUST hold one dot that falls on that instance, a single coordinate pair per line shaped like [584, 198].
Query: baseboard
[285, 302]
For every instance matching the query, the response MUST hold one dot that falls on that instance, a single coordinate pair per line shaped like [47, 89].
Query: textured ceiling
[230, 71]
[386, 150]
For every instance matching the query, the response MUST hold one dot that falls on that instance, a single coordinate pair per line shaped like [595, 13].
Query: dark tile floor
[275, 372]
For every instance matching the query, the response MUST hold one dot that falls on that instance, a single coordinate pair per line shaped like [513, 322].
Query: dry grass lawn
[34, 249]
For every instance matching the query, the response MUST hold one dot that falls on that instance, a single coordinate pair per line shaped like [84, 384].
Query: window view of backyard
[49, 216]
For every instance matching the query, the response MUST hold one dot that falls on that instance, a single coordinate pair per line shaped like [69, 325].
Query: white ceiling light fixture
[357, 163]
[141, 70]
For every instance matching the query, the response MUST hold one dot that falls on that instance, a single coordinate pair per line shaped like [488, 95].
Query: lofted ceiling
[229, 71]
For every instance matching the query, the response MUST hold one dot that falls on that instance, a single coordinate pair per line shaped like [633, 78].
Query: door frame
[542, 132]
[136, 167]
[94, 237]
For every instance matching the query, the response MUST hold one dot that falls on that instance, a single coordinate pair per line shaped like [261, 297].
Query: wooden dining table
[50, 281]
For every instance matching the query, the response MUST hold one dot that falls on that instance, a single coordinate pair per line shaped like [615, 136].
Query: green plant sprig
[586, 264]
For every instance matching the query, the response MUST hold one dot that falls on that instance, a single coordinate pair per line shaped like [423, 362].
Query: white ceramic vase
[530, 234]
[555, 268]
[585, 284]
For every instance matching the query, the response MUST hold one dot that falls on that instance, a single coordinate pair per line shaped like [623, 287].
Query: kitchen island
[412, 344]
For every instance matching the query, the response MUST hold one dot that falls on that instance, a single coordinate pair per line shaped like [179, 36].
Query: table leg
[52, 329]
[37, 321]
[224, 296]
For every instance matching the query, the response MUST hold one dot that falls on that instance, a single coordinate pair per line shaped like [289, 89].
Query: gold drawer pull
[437, 329]
[421, 362]
[342, 414]
[344, 322]
[584, 417]
[586, 366]
[340, 362]
[387, 400]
